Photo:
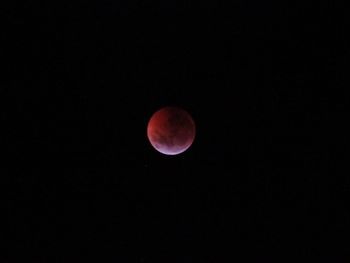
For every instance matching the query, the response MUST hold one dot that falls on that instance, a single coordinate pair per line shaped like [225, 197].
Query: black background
[263, 180]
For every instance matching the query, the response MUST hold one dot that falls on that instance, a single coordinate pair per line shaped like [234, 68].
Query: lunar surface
[171, 130]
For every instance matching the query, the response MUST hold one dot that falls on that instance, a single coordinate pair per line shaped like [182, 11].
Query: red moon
[171, 130]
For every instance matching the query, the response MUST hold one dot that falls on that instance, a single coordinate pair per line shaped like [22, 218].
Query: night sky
[263, 180]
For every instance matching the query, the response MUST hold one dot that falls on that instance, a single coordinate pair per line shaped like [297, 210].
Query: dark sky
[263, 180]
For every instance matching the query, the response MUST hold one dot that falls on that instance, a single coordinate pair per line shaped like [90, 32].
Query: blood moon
[171, 130]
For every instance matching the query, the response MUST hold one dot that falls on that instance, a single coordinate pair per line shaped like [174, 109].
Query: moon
[171, 130]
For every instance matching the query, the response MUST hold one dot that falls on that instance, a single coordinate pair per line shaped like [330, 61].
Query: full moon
[171, 130]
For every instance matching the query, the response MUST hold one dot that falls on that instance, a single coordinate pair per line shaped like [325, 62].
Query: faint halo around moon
[171, 130]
